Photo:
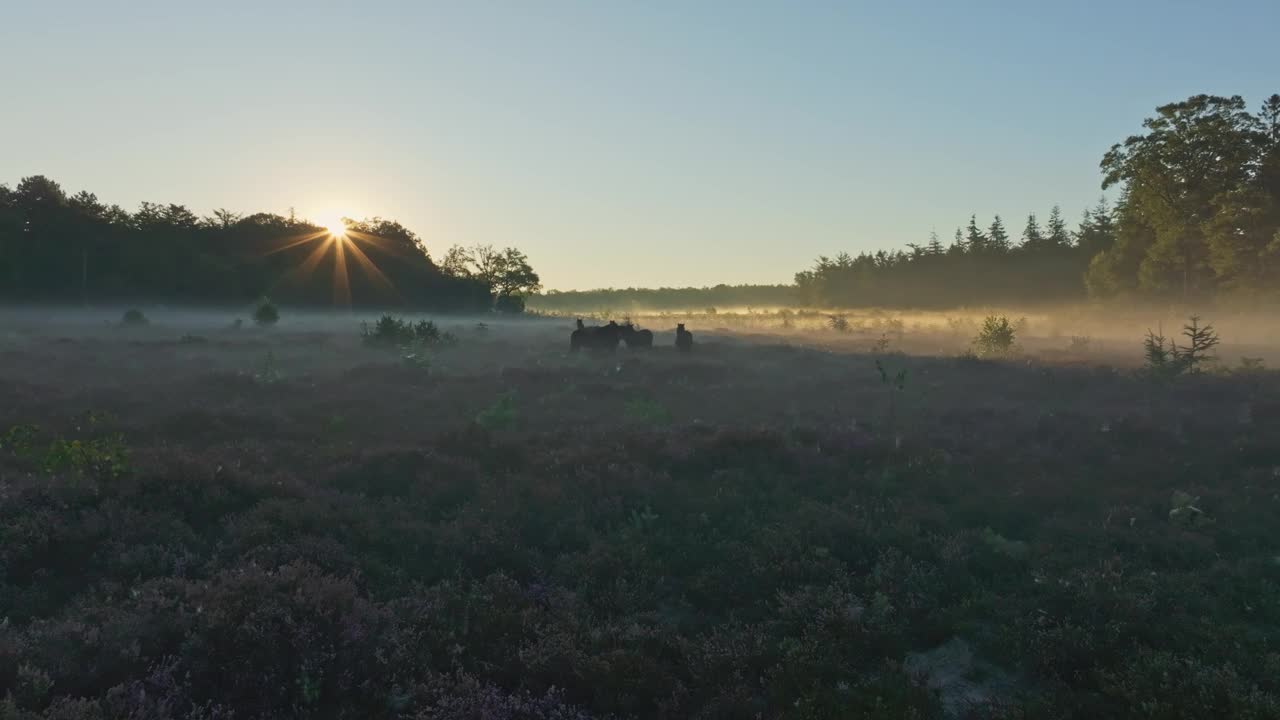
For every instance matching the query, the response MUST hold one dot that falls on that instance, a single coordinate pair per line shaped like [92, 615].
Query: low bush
[133, 317]
[266, 314]
[996, 337]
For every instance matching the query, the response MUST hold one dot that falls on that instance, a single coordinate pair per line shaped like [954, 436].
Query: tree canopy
[1198, 215]
[56, 247]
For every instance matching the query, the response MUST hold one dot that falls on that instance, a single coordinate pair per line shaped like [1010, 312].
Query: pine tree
[975, 239]
[1270, 117]
[1097, 231]
[934, 248]
[1058, 235]
[958, 245]
[997, 238]
[1032, 237]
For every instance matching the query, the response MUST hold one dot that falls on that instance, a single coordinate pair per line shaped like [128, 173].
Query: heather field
[799, 519]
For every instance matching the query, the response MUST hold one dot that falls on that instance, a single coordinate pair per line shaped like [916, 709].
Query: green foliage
[133, 317]
[996, 337]
[1201, 340]
[645, 410]
[1183, 510]
[839, 323]
[102, 457]
[502, 414]
[509, 304]
[1166, 359]
[391, 331]
[169, 255]
[266, 314]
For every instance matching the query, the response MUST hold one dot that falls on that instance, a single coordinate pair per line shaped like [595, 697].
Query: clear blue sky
[617, 143]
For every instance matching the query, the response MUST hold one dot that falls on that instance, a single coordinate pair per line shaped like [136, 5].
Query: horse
[602, 338]
[684, 339]
[636, 338]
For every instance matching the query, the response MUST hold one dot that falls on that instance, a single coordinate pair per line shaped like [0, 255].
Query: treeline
[1198, 217]
[664, 299]
[56, 247]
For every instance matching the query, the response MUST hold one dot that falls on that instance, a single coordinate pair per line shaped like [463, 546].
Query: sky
[646, 143]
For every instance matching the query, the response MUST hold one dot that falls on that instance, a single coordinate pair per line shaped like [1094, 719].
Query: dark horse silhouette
[599, 338]
[684, 339]
[636, 338]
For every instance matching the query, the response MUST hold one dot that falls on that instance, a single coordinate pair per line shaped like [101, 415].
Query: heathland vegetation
[807, 514]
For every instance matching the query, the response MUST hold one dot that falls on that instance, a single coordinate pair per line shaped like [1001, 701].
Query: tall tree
[975, 240]
[1058, 236]
[997, 237]
[1032, 237]
[935, 247]
[1097, 231]
[1193, 152]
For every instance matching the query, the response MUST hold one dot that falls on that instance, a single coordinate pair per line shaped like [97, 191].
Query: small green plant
[1165, 358]
[266, 314]
[1183, 510]
[645, 410]
[133, 317]
[20, 440]
[996, 337]
[839, 323]
[1200, 341]
[503, 413]
[104, 457]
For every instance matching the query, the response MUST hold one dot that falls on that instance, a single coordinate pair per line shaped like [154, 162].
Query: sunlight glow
[332, 244]
[337, 228]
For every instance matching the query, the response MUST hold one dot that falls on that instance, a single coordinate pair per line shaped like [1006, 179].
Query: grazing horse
[684, 339]
[636, 338]
[602, 338]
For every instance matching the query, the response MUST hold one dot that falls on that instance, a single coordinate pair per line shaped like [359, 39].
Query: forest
[61, 248]
[1198, 217]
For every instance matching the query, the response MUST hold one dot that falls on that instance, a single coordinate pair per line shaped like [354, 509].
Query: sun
[336, 228]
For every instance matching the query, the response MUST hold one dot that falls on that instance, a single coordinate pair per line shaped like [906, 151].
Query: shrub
[1200, 341]
[995, 337]
[391, 331]
[501, 414]
[266, 314]
[509, 304]
[839, 323]
[133, 317]
[1165, 358]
